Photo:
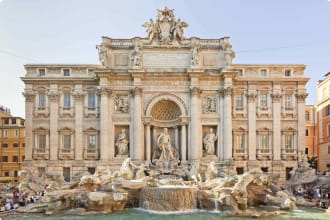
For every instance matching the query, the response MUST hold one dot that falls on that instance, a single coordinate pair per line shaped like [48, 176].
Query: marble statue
[122, 143]
[121, 104]
[136, 56]
[209, 141]
[194, 61]
[102, 54]
[166, 28]
[164, 144]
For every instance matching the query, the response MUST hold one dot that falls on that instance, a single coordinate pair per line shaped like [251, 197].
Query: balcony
[40, 153]
[264, 153]
[66, 154]
[41, 111]
[91, 154]
[91, 112]
[289, 154]
[240, 154]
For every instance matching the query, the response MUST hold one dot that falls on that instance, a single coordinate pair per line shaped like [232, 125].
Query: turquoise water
[141, 215]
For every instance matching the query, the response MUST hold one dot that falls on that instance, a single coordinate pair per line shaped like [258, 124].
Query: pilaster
[195, 141]
[79, 117]
[277, 126]
[53, 97]
[29, 100]
[252, 145]
[104, 123]
[137, 147]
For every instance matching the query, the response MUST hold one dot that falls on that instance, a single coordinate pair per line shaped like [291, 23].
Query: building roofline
[61, 65]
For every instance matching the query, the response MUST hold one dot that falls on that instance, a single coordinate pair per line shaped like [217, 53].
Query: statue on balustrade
[165, 152]
[209, 142]
[122, 143]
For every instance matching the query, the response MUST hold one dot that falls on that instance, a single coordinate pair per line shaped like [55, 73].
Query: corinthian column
[227, 139]
[53, 97]
[137, 147]
[251, 98]
[79, 148]
[29, 98]
[277, 126]
[301, 122]
[195, 142]
[104, 123]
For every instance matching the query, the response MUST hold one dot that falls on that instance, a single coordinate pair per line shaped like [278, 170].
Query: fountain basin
[168, 198]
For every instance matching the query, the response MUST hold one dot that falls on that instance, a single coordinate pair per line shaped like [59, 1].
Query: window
[288, 139]
[91, 100]
[307, 115]
[15, 173]
[264, 169]
[239, 170]
[240, 141]
[5, 133]
[4, 159]
[6, 173]
[23, 158]
[15, 158]
[23, 145]
[66, 72]
[13, 121]
[6, 121]
[66, 174]
[5, 145]
[328, 149]
[288, 172]
[328, 126]
[91, 141]
[15, 144]
[288, 102]
[287, 72]
[240, 72]
[91, 170]
[16, 132]
[263, 72]
[66, 100]
[41, 141]
[306, 132]
[66, 141]
[306, 150]
[327, 110]
[239, 102]
[42, 72]
[264, 141]
[42, 100]
[263, 99]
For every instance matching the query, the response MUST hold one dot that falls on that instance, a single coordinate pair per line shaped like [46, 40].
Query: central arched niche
[165, 110]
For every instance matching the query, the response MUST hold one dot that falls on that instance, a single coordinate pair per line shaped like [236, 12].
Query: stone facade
[323, 124]
[75, 113]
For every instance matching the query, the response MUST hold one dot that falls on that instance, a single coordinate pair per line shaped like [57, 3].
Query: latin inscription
[167, 60]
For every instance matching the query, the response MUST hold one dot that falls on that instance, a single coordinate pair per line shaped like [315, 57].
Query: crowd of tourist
[12, 199]
[320, 195]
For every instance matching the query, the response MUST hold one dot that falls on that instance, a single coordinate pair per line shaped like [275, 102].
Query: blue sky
[66, 31]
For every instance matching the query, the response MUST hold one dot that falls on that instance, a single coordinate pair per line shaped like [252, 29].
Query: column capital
[137, 91]
[195, 91]
[276, 97]
[228, 91]
[53, 96]
[29, 96]
[251, 97]
[104, 91]
[78, 96]
[301, 97]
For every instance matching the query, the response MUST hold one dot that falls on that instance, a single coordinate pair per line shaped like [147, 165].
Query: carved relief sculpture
[208, 142]
[122, 143]
[166, 28]
[121, 104]
[209, 104]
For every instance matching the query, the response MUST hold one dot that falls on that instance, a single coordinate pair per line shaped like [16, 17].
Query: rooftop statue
[166, 29]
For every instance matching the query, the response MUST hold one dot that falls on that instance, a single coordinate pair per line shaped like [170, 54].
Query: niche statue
[122, 143]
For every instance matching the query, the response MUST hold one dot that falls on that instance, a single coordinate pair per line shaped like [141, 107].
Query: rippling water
[137, 214]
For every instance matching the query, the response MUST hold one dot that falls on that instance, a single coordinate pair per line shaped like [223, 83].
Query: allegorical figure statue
[209, 141]
[164, 144]
[122, 143]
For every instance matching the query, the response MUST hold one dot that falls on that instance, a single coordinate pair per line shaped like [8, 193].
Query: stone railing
[88, 111]
[67, 111]
[289, 154]
[240, 154]
[41, 111]
[264, 153]
[91, 154]
[40, 153]
[66, 154]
